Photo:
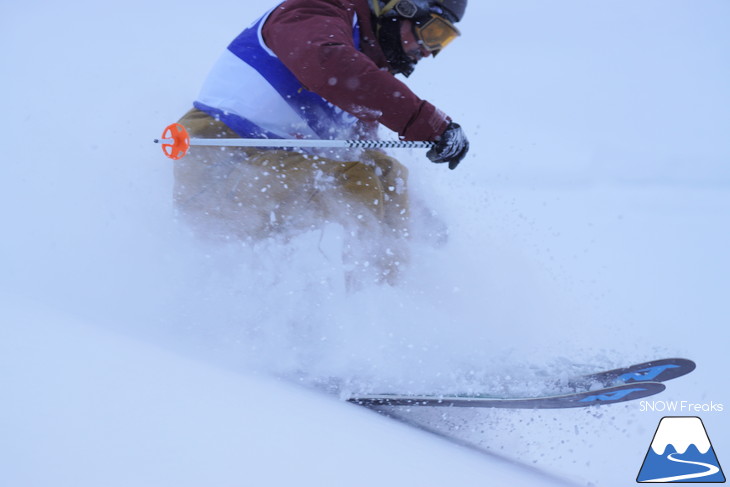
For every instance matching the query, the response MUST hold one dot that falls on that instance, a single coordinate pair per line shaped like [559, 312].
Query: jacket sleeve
[316, 44]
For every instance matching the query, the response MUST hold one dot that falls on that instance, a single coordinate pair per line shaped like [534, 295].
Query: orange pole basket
[176, 142]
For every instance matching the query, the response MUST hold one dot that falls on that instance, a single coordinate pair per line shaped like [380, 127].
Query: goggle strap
[386, 8]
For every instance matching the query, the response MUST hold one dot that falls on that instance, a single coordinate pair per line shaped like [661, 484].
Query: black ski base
[609, 395]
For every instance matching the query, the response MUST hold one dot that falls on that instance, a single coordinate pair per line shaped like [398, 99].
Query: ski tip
[660, 370]
[687, 364]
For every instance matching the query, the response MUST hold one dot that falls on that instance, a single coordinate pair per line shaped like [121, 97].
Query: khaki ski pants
[253, 194]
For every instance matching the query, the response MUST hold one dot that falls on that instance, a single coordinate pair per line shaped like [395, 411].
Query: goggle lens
[436, 33]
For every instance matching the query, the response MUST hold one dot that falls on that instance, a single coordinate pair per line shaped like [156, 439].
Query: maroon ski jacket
[314, 40]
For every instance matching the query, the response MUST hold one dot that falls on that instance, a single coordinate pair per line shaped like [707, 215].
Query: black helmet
[433, 22]
[451, 9]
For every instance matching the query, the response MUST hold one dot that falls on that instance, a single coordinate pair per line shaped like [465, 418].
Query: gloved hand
[450, 147]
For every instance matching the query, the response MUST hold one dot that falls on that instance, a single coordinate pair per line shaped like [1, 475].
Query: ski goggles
[436, 32]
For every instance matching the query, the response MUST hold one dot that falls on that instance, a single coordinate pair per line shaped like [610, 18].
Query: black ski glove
[450, 147]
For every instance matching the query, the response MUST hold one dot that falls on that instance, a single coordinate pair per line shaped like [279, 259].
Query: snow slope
[588, 224]
[85, 407]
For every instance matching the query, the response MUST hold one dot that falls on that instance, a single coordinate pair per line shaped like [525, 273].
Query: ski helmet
[452, 9]
[433, 22]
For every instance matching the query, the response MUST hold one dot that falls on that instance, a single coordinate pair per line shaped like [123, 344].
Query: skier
[319, 69]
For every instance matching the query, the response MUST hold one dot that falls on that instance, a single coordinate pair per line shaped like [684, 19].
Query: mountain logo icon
[681, 452]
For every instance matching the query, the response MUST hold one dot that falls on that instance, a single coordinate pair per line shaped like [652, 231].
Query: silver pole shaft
[361, 144]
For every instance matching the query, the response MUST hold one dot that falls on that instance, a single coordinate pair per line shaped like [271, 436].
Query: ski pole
[176, 142]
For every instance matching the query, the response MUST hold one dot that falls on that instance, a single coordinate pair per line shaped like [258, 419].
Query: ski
[599, 388]
[598, 397]
[654, 371]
